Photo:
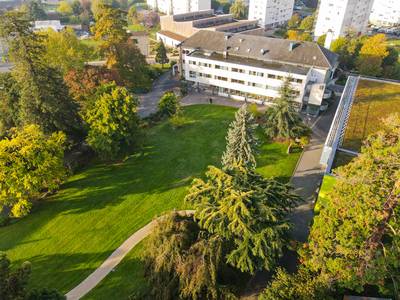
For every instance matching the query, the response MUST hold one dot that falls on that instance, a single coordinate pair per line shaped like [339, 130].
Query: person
[211, 100]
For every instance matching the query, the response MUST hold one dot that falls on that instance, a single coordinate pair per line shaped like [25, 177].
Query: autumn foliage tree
[355, 240]
[31, 164]
[112, 121]
[372, 53]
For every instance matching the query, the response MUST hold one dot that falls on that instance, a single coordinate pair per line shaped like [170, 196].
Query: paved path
[149, 101]
[113, 260]
[309, 174]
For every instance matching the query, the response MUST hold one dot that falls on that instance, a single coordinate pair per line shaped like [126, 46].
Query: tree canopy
[239, 9]
[43, 95]
[355, 240]
[246, 210]
[112, 121]
[31, 163]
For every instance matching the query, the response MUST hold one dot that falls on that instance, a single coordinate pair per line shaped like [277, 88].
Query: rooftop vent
[292, 46]
[227, 36]
[241, 40]
[237, 48]
[248, 50]
[263, 51]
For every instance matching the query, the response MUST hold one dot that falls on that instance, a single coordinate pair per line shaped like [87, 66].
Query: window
[221, 78]
[258, 85]
[205, 65]
[279, 77]
[191, 62]
[204, 75]
[237, 70]
[221, 67]
[192, 74]
[237, 81]
[271, 76]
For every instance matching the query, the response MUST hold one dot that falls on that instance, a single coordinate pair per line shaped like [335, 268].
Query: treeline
[52, 104]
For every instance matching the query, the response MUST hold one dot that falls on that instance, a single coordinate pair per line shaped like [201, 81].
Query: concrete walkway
[149, 101]
[113, 260]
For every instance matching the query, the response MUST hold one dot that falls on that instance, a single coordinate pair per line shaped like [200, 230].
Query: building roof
[263, 48]
[172, 35]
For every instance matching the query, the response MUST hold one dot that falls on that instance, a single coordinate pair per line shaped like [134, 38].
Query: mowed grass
[70, 234]
[373, 101]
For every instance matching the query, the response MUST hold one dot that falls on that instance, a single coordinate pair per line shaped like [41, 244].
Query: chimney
[292, 45]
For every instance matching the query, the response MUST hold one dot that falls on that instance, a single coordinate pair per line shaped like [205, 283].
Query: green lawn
[373, 101]
[72, 233]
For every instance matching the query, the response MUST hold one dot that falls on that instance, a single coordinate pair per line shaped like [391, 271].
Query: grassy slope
[374, 101]
[71, 234]
[327, 186]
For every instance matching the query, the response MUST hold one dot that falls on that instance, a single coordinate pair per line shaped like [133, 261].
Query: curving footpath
[114, 259]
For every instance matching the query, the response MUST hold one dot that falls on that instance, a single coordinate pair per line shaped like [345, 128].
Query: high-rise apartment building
[270, 13]
[385, 12]
[172, 7]
[339, 17]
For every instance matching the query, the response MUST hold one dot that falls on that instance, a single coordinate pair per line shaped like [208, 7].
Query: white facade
[242, 82]
[385, 12]
[173, 7]
[48, 24]
[271, 13]
[342, 16]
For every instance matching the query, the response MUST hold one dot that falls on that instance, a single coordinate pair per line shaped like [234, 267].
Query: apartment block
[171, 7]
[270, 13]
[253, 68]
[175, 28]
[385, 13]
[339, 17]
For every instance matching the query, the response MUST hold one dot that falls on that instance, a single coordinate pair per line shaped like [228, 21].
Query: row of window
[242, 71]
[193, 75]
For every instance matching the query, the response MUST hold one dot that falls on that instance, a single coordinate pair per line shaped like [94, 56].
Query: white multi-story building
[171, 7]
[253, 68]
[271, 13]
[339, 17]
[385, 12]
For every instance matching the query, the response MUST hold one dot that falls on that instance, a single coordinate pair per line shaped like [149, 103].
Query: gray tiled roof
[263, 48]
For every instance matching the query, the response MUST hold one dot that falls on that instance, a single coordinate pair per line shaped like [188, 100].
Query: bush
[168, 105]
[253, 109]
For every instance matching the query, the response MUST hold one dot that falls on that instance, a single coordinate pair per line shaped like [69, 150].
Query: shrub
[168, 105]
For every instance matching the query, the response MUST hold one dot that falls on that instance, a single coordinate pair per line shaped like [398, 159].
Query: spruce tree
[161, 54]
[241, 141]
[282, 119]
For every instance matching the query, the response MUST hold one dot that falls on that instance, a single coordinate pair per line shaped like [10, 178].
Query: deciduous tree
[110, 30]
[64, 51]
[307, 23]
[355, 240]
[31, 164]
[168, 104]
[112, 121]
[372, 53]
[238, 9]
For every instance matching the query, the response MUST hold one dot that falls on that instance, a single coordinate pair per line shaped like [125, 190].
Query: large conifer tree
[44, 97]
[241, 141]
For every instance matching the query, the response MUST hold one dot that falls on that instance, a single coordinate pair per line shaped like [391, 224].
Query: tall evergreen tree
[161, 54]
[241, 141]
[282, 119]
[44, 97]
[247, 211]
